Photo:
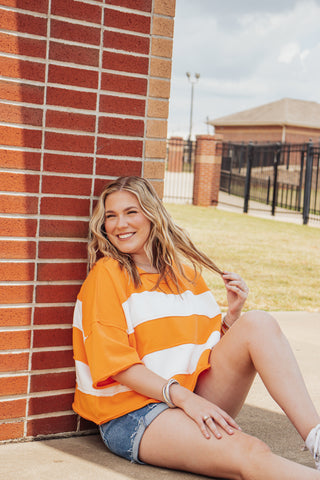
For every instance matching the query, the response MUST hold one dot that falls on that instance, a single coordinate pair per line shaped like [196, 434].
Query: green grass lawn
[279, 261]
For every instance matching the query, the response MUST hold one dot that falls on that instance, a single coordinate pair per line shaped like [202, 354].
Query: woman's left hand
[237, 293]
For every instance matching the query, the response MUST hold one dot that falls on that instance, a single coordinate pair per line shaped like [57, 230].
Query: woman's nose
[122, 221]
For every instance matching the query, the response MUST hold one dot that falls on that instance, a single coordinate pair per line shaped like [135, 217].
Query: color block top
[117, 325]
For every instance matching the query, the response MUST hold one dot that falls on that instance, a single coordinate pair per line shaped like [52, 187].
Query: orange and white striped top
[117, 325]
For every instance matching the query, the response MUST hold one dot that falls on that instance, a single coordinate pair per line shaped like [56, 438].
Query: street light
[193, 81]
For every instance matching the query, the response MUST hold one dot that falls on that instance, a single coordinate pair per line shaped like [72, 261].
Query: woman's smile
[124, 236]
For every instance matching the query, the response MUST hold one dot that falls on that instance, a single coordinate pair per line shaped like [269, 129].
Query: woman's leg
[174, 441]
[255, 343]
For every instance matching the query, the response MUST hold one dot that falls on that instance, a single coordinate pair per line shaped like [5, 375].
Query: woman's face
[126, 225]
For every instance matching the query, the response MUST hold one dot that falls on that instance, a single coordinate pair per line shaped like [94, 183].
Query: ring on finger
[206, 418]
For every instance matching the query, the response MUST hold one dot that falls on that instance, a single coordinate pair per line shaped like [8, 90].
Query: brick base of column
[207, 170]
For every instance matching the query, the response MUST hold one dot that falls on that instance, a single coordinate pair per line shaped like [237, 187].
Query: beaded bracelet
[224, 325]
[166, 392]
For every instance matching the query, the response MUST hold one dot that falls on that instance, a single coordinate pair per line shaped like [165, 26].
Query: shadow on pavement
[271, 427]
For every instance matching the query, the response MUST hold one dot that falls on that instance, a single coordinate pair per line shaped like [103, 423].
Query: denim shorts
[123, 435]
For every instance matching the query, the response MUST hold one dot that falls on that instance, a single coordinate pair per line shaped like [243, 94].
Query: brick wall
[84, 91]
[248, 134]
[301, 135]
[269, 134]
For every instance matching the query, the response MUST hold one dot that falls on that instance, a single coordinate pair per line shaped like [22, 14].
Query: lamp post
[193, 81]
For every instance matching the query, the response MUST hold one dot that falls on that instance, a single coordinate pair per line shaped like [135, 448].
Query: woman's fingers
[210, 423]
[230, 421]
[233, 279]
[203, 427]
[235, 284]
[210, 418]
[239, 290]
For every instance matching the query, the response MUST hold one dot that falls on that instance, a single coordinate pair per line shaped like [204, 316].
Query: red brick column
[84, 98]
[175, 154]
[207, 170]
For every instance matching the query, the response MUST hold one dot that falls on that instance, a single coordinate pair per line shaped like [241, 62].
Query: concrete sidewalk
[86, 457]
[232, 203]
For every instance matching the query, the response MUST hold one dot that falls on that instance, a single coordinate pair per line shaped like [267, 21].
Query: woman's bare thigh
[232, 372]
[174, 441]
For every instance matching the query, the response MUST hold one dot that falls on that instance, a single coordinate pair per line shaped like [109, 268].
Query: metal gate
[178, 184]
[278, 175]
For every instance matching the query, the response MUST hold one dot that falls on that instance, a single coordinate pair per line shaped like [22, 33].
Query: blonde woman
[157, 369]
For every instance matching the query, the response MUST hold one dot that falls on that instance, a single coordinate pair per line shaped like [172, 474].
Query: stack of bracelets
[224, 326]
[166, 392]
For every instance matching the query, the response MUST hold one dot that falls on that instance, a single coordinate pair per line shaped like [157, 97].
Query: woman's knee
[258, 321]
[256, 454]
[246, 455]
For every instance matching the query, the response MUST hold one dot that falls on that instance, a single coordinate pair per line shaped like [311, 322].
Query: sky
[247, 52]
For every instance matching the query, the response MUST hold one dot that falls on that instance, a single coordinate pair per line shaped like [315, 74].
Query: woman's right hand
[208, 416]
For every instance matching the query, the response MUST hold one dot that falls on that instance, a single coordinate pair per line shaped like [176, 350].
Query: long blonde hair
[166, 246]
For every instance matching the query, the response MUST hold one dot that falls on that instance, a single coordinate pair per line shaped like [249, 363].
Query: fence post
[300, 178]
[308, 183]
[276, 163]
[207, 169]
[230, 149]
[248, 178]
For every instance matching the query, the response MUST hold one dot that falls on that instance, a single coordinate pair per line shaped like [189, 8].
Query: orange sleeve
[107, 342]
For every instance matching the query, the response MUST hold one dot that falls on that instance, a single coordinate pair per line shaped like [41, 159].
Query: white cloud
[289, 52]
[248, 53]
[304, 54]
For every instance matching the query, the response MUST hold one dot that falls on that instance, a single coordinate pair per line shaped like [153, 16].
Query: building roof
[299, 113]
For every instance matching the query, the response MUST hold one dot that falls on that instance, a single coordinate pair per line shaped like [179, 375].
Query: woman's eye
[109, 216]
[132, 211]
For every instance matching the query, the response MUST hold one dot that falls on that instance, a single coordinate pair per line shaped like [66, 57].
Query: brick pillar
[175, 154]
[84, 98]
[207, 170]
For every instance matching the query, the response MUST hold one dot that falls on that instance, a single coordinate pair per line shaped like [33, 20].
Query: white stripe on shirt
[182, 359]
[77, 315]
[84, 383]
[145, 306]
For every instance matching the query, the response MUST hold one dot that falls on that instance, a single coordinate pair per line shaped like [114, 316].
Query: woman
[152, 371]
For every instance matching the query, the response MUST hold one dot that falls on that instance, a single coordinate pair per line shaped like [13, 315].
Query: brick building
[84, 96]
[286, 121]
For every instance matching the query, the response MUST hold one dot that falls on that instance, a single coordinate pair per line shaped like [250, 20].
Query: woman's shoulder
[195, 280]
[106, 275]
[105, 267]
[106, 263]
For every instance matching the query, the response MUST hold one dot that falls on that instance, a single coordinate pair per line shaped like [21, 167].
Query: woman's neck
[147, 268]
[145, 264]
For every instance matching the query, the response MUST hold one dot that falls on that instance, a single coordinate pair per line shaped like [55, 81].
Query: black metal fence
[278, 175]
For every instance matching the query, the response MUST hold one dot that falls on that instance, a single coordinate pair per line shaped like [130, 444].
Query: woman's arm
[147, 383]
[142, 380]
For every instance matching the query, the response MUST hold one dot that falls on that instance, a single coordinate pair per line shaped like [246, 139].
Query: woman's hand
[237, 293]
[207, 415]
